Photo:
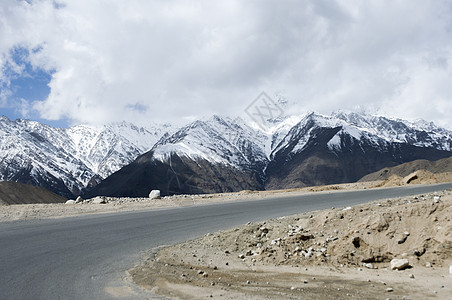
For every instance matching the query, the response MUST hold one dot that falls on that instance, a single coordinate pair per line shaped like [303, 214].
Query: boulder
[99, 200]
[154, 194]
[70, 202]
[399, 264]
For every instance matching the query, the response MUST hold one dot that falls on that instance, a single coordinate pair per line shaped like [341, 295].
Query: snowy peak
[68, 161]
[218, 140]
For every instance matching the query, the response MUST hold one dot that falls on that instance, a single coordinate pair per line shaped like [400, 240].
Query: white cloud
[176, 60]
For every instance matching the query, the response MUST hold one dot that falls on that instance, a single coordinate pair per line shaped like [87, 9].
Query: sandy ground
[339, 253]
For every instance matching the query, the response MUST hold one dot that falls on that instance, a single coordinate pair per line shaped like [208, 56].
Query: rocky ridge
[212, 155]
[69, 161]
[224, 155]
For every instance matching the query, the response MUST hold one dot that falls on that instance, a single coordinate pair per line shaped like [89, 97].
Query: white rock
[368, 265]
[399, 264]
[79, 200]
[450, 270]
[70, 202]
[99, 200]
[154, 194]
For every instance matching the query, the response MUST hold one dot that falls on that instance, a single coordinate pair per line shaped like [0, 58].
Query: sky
[97, 61]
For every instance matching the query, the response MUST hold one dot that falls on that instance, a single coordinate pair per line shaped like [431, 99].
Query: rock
[450, 270]
[70, 202]
[79, 200]
[399, 264]
[264, 229]
[402, 240]
[389, 290]
[412, 276]
[99, 200]
[368, 265]
[154, 194]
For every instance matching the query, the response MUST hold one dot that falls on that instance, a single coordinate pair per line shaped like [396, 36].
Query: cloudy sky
[97, 61]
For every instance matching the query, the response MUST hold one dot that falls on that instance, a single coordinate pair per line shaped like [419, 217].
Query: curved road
[86, 257]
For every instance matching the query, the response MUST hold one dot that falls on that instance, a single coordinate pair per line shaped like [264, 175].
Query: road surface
[87, 257]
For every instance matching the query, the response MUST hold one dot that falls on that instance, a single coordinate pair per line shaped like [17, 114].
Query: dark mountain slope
[178, 175]
[318, 163]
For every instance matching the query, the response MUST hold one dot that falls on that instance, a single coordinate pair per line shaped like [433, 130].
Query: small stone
[411, 275]
[79, 200]
[99, 200]
[248, 282]
[402, 240]
[368, 265]
[428, 265]
[154, 194]
[450, 270]
[399, 264]
[242, 256]
[389, 290]
[200, 272]
[305, 281]
[292, 288]
[205, 274]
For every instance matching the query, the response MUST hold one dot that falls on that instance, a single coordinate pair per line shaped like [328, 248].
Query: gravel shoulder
[112, 204]
[340, 253]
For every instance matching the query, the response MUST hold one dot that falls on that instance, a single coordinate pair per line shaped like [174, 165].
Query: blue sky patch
[25, 84]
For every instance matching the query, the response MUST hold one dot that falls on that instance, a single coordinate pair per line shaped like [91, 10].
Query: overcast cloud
[179, 60]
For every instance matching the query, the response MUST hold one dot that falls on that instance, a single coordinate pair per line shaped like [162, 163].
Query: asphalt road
[86, 257]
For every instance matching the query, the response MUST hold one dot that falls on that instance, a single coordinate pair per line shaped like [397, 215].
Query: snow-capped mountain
[215, 155]
[212, 155]
[344, 147]
[67, 161]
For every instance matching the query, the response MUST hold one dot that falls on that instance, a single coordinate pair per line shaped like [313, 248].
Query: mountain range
[218, 154]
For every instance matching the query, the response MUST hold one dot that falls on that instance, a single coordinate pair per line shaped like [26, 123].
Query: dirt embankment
[438, 170]
[340, 253]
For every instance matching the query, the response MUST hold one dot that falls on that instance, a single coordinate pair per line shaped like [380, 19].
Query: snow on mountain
[106, 149]
[68, 160]
[218, 140]
[373, 129]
